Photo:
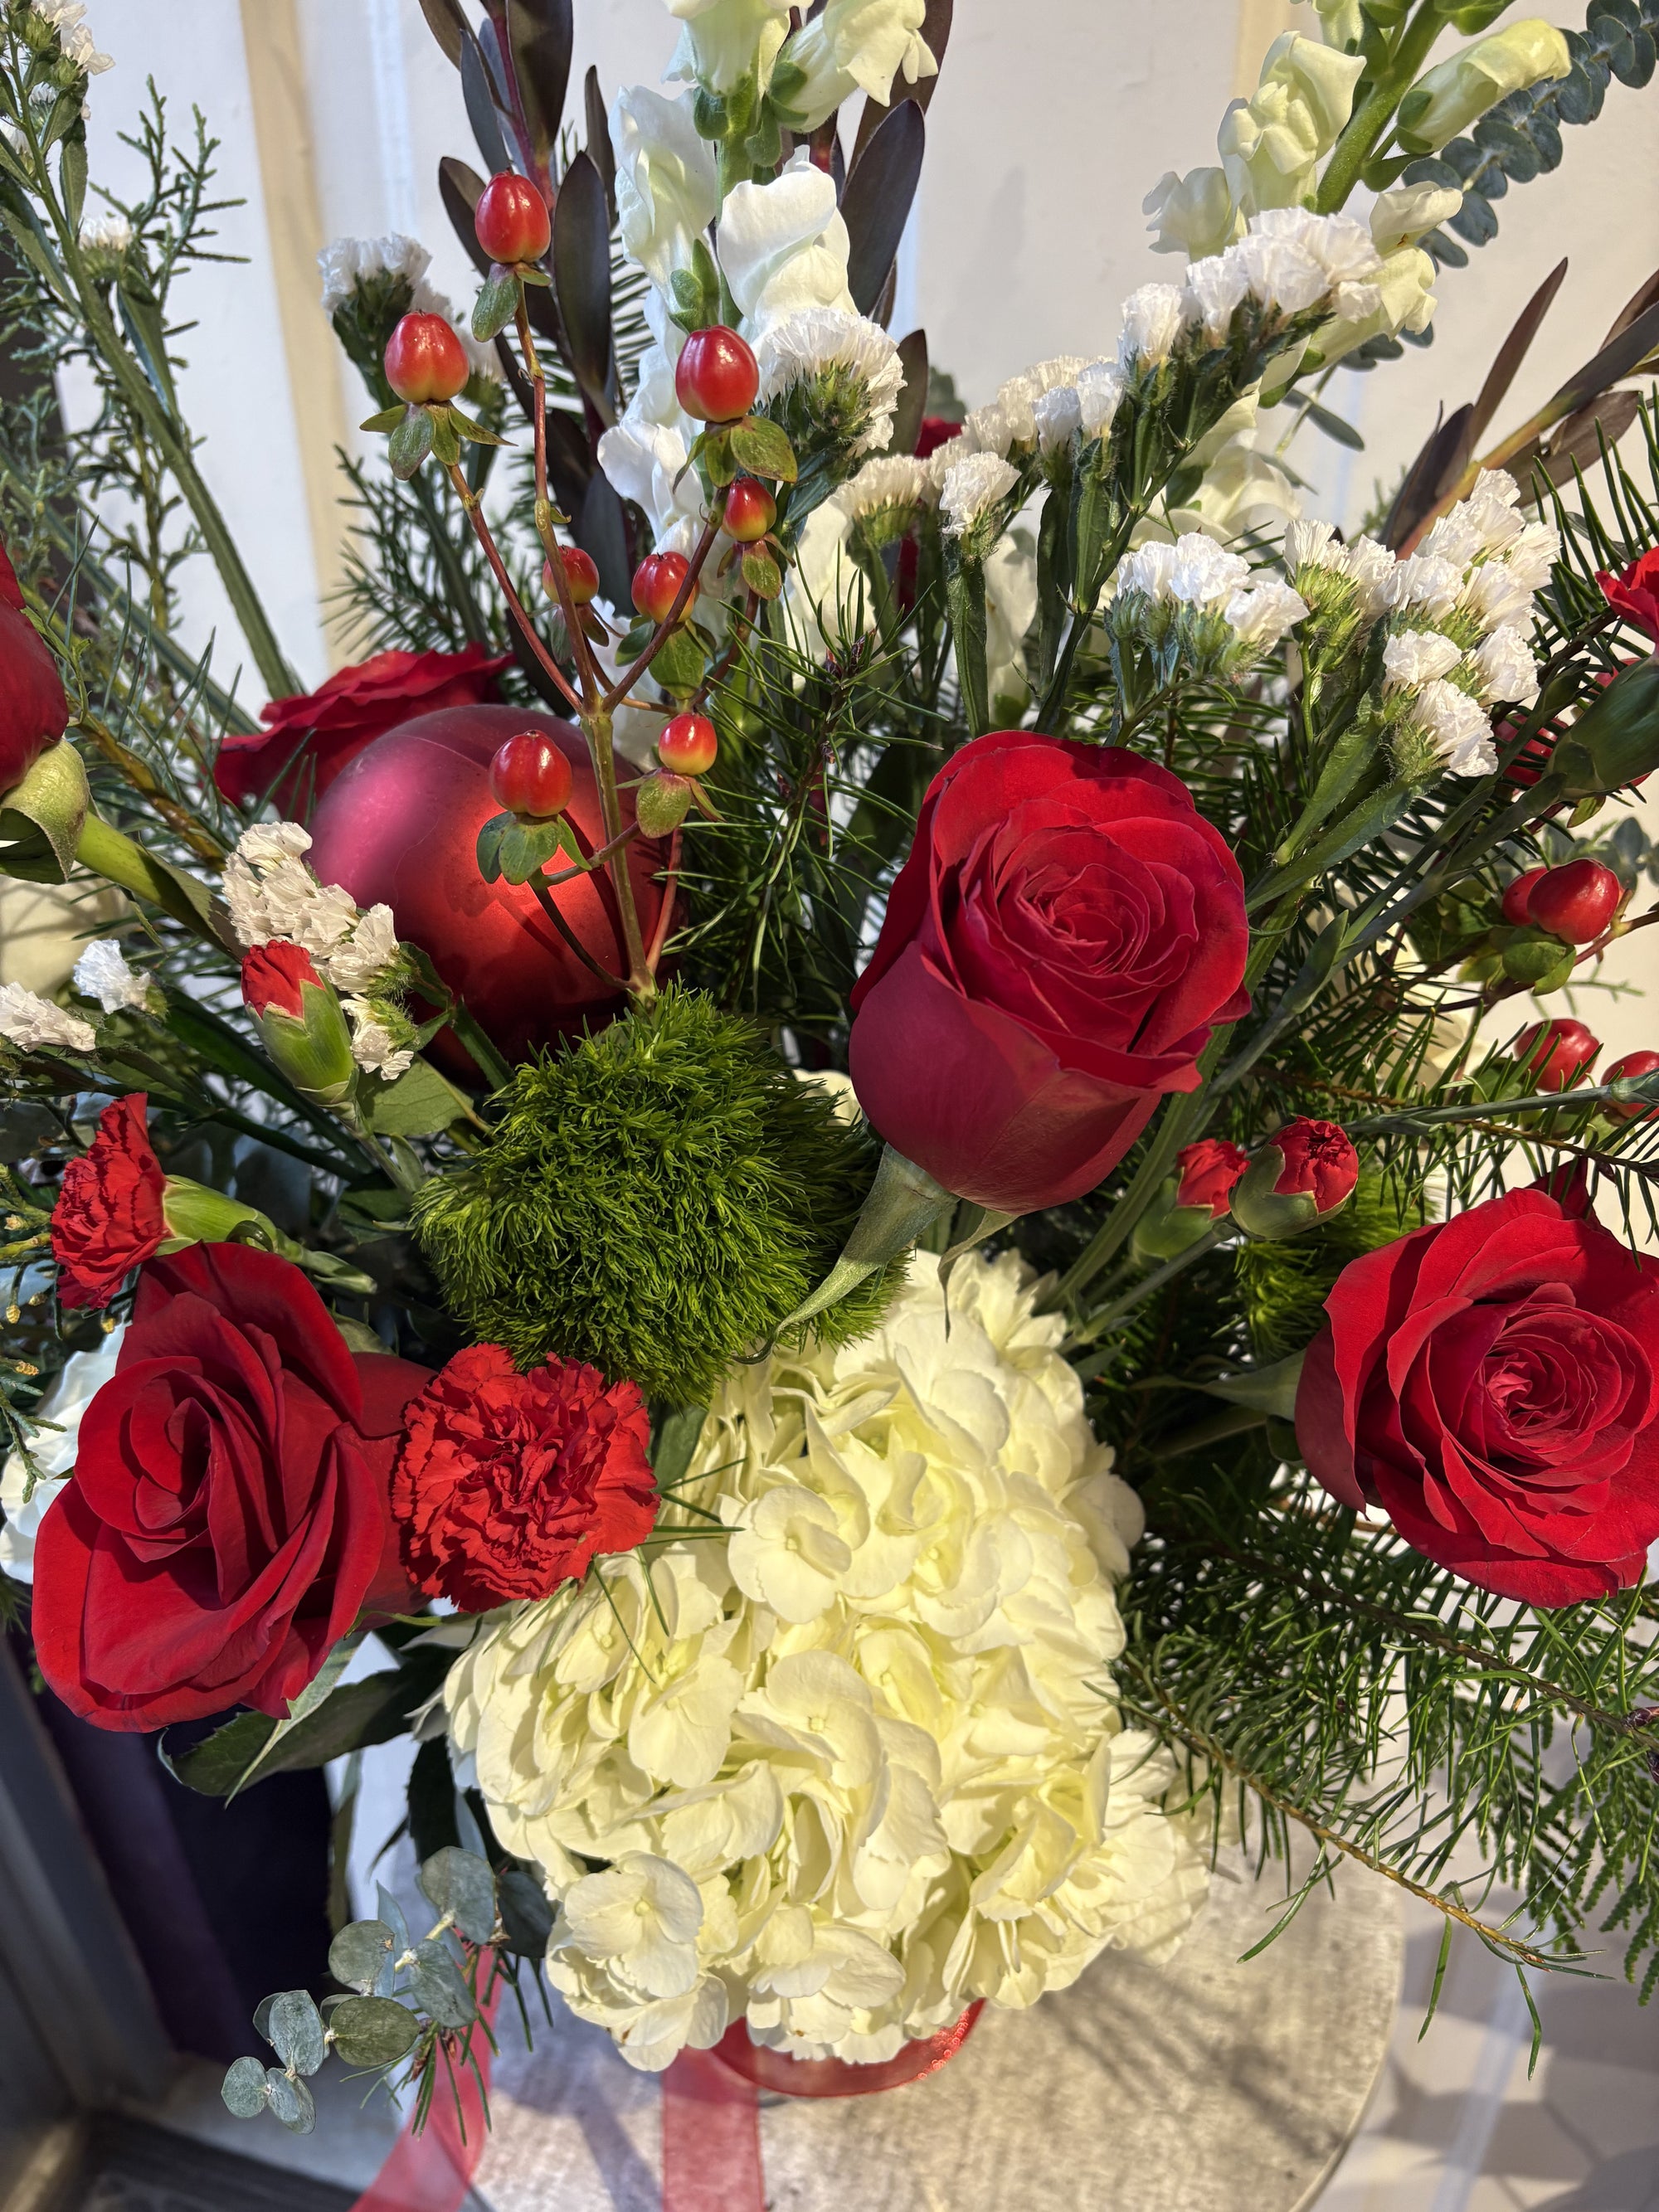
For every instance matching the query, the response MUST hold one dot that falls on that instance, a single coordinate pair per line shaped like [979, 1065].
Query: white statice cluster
[1458, 614]
[26, 1495]
[75, 39]
[102, 973]
[37, 1025]
[1257, 606]
[858, 1764]
[348, 264]
[271, 893]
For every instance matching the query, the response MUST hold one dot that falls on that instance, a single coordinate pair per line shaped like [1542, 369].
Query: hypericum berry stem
[588, 672]
[664, 913]
[597, 727]
[549, 907]
[474, 510]
[624, 684]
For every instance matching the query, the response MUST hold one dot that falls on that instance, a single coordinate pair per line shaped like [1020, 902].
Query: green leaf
[72, 177]
[295, 2031]
[761, 447]
[359, 1951]
[387, 419]
[495, 306]
[359, 1336]
[438, 1987]
[420, 1104]
[762, 574]
[525, 848]
[244, 2089]
[42, 817]
[474, 433]
[291, 2101]
[446, 438]
[412, 441]
[679, 665]
[215, 1766]
[490, 843]
[373, 2031]
[141, 318]
[375, 1710]
[460, 1883]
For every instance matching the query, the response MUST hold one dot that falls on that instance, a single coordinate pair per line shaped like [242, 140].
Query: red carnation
[508, 1485]
[34, 712]
[309, 739]
[1207, 1172]
[1491, 1382]
[1304, 1173]
[227, 1522]
[108, 1217]
[1635, 594]
[272, 975]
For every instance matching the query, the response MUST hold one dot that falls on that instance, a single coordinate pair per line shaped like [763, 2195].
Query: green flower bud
[303, 1022]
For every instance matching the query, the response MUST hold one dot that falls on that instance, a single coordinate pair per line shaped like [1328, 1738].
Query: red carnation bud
[1303, 1174]
[1556, 1054]
[1625, 1070]
[425, 360]
[1207, 1172]
[303, 1022]
[688, 745]
[512, 219]
[717, 377]
[1516, 894]
[531, 776]
[657, 583]
[749, 512]
[108, 1219]
[1576, 902]
[581, 577]
[272, 975]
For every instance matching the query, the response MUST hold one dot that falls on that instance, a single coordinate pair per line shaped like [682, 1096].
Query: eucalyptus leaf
[295, 2032]
[291, 2101]
[460, 1884]
[388, 1909]
[244, 2089]
[358, 1952]
[526, 1912]
[373, 2031]
[437, 1988]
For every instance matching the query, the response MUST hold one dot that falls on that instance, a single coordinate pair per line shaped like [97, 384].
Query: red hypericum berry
[1633, 1063]
[531, 776]
[657, 583]
[425, 360]
[750, 511]
[1556, 1054]
[1516, 894]
[581, 578]
[688, 745]
[1576, 902]
[512, 219]
[717, 376]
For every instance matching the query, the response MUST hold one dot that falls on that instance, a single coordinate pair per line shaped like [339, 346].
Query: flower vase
[787, 2076]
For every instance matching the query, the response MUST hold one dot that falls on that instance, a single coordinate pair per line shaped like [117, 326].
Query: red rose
[508, 1485]
[1063, 934]
[1635, 594]
[108, 1217]
[1491, 1382]
[34, 712]
[936, 431]
[228, 1519]
[1207, 1172]
[309, 739]
[272, 975]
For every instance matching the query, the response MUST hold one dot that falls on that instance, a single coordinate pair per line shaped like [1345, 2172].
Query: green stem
[1359, 140]
[597, 725]
[1109, 1315]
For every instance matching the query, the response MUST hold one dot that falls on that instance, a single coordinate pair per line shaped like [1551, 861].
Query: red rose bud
[303, 1021]
[1304, 1174]
[581, 578]
[1576, 902]
[531, 776]
[657, 583]
[1556, 1054]
[425, 360]
[1635, 594]
[33, 710]
[512, 219]
[688, 745]
[1626, 1070]
[717, 377]
[1206, 1173]
[750, 511]
[1516, 896]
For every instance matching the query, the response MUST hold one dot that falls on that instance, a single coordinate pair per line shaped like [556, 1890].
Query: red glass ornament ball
[1632, 1064]
[1516, 896]
[657, 583]
[581, 578]
[512, 219]
[1576, 902]
[750, 511]
[425, 360]
[531, 775]
[1556, 1054]
[716, 377]
[688, 745]
[400, 824]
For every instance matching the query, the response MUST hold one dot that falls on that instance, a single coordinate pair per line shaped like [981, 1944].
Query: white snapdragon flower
[1154, 316]
[1459, 728]
[784, 247]
[1195, 215]
[1404, 213]
[102, 973]
[1415, 657]
[1271, 144]
[1504, 667]
[970, 487]
[74, 38]
[667, 184]
[359, 963]
[1099, 390]
[37, 1025]
[818, 341]
[1010, 606]
[82, 1376]
[1341, 24]
[723, 41]
[1455, 94]
[857, 45]
[645, 462]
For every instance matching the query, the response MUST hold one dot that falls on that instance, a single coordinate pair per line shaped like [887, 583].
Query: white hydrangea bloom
[1154, 316]
[971, 485]
[1099, 390]
[1505, 667]
[373, 1046]
[360, 962]
[36, 1024]
[784, 247]
[858, 1764]
[1459, 728]
[82, 1376]
[819, 339]
[1416, 657]
[102, 973]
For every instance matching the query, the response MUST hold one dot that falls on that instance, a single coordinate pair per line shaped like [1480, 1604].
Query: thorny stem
[474, 509]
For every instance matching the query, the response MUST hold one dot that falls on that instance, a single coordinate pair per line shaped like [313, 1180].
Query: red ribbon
[711, 2153]
[432, 2171]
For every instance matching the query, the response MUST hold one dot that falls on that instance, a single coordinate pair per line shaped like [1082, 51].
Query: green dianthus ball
[656, 1199]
